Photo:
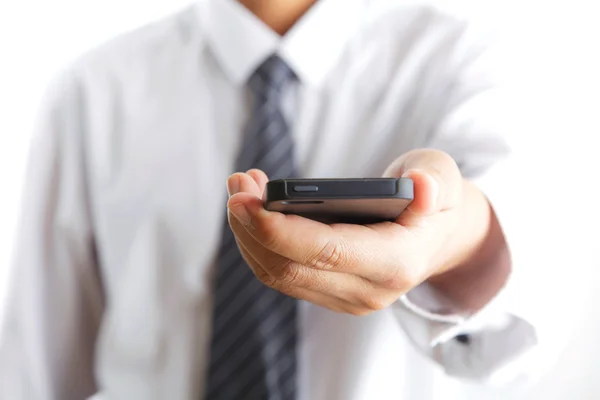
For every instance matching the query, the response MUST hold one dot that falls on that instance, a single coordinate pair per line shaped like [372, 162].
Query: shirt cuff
[491, 345]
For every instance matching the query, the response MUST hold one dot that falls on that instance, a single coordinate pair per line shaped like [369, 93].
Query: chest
[159, 161]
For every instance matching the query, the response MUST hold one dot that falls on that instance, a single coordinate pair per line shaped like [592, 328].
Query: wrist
[475, 262]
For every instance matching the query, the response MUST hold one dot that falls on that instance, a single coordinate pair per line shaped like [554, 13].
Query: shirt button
[463, 339]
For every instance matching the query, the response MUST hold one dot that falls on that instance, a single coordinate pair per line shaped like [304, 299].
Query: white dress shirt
[125, 198]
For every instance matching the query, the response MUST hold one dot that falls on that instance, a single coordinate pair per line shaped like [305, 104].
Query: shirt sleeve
[55, 299]
[479, 127]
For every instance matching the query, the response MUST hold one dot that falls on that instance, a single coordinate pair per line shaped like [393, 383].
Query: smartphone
[353, 201]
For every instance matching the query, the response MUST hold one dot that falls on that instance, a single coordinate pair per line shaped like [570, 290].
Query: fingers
[437, 180]
[240, 182]
[277, 271]
[334, 290]
[280, 272]
[371, 253]
[297, 292]
[300, 293]
[260, 178]
[348, 268]
[302, 240]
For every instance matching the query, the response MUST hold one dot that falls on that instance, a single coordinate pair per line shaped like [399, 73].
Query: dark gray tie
[253, 349]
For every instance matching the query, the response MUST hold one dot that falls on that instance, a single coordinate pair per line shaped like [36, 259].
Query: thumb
[436, 177]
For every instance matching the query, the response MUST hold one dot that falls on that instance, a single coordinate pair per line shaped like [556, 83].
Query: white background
[553, 54]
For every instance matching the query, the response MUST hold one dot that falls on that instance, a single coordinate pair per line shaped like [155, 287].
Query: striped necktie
[253, 348]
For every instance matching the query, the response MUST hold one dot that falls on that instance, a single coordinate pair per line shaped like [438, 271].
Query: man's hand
[448, 235]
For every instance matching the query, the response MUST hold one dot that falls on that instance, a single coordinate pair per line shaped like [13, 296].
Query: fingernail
[233, 185]
[240, 212]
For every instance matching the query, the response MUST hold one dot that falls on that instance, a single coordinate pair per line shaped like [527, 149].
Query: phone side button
[304, 188]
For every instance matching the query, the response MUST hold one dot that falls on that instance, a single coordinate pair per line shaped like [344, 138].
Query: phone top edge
[295, 180]
[331, 198]
[281, 189]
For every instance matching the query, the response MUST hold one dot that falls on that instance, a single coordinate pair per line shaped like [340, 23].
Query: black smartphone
[353, 201]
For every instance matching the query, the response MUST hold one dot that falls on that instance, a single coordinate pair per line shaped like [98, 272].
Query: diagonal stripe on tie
[247, 355]
[253, 346]
[254, 142]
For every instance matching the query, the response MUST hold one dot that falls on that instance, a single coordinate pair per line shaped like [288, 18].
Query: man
[130, 283]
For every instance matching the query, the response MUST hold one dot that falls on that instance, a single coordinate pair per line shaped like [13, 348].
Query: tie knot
[270, 78]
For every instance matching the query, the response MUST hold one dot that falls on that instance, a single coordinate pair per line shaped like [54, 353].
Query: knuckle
[442, 156]
[439, 162]
[329, 256]
[284, 276]
[448, 160]
[400, 280]
[375, 303]
[359, 311]
[268, 235]
[275, 283]
[268, 232]
[289, 274]
[397, 282]
[264, 277]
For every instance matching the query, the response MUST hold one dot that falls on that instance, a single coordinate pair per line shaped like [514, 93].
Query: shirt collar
[240, 42]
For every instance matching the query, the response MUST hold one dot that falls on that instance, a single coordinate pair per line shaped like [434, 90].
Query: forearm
[475, 263]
